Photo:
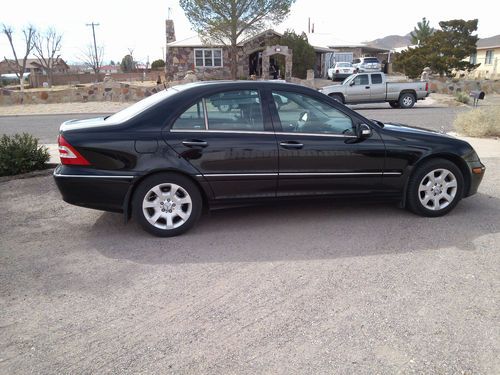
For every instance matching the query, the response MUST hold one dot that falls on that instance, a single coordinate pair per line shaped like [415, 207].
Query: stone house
[33, 66]
[255, 55]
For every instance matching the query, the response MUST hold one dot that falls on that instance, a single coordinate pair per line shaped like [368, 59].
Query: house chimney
[170, 31]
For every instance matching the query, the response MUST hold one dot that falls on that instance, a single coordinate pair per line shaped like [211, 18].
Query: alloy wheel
[167, 206]
[438, 189]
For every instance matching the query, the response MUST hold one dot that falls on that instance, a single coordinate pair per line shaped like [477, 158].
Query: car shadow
[300, 230]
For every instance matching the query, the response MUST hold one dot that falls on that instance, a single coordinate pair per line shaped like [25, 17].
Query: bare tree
[47, 48]
[93, 57]
[19, 65]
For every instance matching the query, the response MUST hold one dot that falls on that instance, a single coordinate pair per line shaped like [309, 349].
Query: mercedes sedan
[204, 145]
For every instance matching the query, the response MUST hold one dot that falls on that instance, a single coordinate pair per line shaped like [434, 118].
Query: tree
[227, 22]
[90, 59]
[19, 65]
[421, 32]
[157, 64]
[444, 51]
[47, 48]
[303, 57]
[112, 63]
[128, 64]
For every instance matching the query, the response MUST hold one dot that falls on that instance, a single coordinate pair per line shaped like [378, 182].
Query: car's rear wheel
[407, 100]
[435, 188]
[167, 204]
[394, 104]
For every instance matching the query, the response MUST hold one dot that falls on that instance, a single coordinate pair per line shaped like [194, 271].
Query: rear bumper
[93, 190]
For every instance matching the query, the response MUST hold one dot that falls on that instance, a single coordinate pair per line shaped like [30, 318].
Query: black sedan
[202, 145]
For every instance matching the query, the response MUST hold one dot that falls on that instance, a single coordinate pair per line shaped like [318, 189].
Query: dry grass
[483, 122]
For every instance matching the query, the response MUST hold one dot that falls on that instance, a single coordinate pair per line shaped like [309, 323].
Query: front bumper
[91, 189]
[475, 178]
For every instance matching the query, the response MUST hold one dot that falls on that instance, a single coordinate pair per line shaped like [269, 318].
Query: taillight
[337, 71]
[426, 86]
[68, 154]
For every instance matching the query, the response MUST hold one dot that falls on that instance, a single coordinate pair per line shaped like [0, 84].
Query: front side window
[300, 113]
[489, 57]
[361, 79]
[235, 110]
[208, 57]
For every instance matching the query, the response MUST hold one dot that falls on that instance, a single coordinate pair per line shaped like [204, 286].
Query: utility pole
[95, 44]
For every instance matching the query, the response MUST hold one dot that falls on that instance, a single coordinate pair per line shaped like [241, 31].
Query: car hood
[407, 129]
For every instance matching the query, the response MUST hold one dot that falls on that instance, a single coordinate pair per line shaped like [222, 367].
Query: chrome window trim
[257, 132]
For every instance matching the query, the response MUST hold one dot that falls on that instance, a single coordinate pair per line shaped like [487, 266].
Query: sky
[140, 26]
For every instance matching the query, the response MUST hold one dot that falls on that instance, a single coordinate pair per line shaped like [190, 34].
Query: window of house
[300, 113]
[489, 57]
[473, 58]
[208, 57]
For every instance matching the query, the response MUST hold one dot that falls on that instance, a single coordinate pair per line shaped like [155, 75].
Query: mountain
[391, 41]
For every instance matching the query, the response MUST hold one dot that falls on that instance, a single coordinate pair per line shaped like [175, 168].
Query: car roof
[207, 85]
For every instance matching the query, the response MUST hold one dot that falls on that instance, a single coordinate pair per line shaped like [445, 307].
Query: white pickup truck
[374, 88]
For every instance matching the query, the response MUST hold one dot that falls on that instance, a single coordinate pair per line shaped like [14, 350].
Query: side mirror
[351, 83]
[364, 131]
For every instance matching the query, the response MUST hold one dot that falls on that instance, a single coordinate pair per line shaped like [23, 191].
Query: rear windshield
[344, 64]
[141, 106]
[371, 60]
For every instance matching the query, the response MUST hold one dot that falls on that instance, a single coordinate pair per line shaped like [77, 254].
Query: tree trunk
[234, 61]
[21, 83]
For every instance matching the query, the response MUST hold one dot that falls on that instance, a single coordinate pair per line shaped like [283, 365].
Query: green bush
[462, 97]
[479, 122]
[20, 153]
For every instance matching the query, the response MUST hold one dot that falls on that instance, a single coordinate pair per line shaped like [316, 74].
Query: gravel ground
[297, 288]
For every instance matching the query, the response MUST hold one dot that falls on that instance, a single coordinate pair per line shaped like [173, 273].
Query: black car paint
[127, 152]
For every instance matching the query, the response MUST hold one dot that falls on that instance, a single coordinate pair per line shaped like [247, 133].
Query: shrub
[483, 122]
[462, 97]
[20, 153]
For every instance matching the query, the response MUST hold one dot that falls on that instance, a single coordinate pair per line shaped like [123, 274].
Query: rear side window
[376, 78]
[235, 110]
[192, 118]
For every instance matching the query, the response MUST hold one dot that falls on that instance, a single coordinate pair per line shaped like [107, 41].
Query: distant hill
[391, 41]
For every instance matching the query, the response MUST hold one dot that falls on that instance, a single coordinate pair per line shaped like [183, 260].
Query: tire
[394, 104]
[435, 188]
[337, 97]
[177, 212]
[406, 100]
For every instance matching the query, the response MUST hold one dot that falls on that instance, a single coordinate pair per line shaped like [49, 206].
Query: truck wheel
[394, 104]
[406, 100]
[337, 98]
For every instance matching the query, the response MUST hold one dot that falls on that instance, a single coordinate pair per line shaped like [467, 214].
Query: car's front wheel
[435, 188]
[167, 204]
[337, 97]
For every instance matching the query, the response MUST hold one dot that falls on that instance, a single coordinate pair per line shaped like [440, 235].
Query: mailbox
[476, 95]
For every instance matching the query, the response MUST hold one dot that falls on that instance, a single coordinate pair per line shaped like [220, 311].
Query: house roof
[491, 42]
[34, 63]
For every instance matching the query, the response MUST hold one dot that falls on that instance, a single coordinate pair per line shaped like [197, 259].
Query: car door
[358, 90]
[319, 152]
[377, 88]
[229, 139]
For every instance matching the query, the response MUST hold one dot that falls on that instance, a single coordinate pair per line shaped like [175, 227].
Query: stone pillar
[170, 37]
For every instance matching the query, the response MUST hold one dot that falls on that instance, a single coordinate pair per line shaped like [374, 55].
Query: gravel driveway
[296, 288]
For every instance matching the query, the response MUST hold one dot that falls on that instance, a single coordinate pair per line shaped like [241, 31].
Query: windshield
[371, 60]
[344, 64]
[141, 106]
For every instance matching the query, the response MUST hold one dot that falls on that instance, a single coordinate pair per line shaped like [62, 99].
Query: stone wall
[447, 86]
[104, 91]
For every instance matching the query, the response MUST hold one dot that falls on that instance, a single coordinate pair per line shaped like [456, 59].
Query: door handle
[291, 145]
[367, 87]
[195, 143]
